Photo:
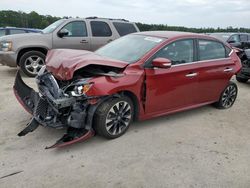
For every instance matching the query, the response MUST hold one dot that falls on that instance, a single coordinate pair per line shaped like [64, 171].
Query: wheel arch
[27, 49]
[135, 101]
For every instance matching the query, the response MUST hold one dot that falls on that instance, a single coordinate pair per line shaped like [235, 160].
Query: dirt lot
[205, 147]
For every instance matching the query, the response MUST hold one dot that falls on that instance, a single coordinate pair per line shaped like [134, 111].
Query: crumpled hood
[62, 63]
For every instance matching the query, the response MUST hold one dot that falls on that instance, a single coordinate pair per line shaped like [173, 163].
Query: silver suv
[29, 50]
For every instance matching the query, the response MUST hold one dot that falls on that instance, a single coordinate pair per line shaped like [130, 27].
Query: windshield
[130, 48]
[52, 26]
[221, 36]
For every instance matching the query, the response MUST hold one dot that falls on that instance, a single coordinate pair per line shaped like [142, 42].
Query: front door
[77, 37]
[175, 87]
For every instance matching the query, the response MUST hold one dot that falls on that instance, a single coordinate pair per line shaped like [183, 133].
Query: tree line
[35, 20]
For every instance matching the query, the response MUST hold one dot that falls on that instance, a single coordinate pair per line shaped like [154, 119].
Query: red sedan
[137, 77]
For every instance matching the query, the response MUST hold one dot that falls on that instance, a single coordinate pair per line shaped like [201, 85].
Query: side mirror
[62, 33]
[161, 63]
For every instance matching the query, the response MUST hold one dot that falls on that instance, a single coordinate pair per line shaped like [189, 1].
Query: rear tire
[228, 96]
[31, 62]
[113, 117]
[240, 79]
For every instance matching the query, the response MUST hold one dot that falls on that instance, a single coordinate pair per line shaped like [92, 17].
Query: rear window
[124, 28]
[100, 29]
[16, 31]
[211, 50]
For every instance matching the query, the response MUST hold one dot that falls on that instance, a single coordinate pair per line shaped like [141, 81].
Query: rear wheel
[228, 96]
[113, 117]
[31, 62]
[240, 79]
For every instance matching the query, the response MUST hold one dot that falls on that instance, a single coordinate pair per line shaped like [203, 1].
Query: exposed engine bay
[63, 103]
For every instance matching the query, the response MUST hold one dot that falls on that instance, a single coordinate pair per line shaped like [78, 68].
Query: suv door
[77, 37]
[101, 34]
[175, 87]
[215, 69]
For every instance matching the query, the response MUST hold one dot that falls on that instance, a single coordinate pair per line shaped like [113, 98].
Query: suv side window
[211, 50]
[178, 52]
[100, 29]
[124, 28]
[243, 38]
[2, 32]
[76, 29]
[235, 38]
[16, 31]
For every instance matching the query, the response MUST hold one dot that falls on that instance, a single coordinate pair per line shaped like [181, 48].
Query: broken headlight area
[58, 104]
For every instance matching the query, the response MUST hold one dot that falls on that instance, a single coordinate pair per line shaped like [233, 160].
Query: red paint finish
[63, 63]
[158, 91]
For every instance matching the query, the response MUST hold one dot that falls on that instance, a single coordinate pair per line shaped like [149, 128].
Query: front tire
[113, 117]
[227, 97]
[31, 62]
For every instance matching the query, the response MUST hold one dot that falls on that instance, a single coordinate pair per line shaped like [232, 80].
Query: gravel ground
[204, 147]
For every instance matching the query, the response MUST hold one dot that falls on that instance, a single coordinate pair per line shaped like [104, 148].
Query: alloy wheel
[229, 96]
[33, 64]
[118, 118]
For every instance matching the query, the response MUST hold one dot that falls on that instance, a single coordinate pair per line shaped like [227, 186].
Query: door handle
[228, 69]
[83, 41]
[190, 75]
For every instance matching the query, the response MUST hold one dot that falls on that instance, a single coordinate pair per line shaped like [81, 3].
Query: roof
[168, 34]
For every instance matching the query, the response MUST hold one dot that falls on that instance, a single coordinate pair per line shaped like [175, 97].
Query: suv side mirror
[63, 33]
[161, 63]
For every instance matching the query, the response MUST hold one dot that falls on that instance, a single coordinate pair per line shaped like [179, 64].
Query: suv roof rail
[95, 17]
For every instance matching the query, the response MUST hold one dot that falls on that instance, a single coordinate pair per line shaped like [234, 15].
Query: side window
[243, 38]
[211, 50]
[124, 28]
[235, 38]
[100, 29]
[16, 31]
[178, 52]
[76, 29]
[2, 32]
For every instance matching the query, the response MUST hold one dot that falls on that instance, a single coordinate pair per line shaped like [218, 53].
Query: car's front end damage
[62, 103]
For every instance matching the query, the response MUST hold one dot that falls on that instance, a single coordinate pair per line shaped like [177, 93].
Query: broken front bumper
[63, 112]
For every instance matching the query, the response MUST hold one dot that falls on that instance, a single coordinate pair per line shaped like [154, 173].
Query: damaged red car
[137, 77]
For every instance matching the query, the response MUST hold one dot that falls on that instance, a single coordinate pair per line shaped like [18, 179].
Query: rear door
[175, 87]
[215, 70]
[101, 33]
[77, 37]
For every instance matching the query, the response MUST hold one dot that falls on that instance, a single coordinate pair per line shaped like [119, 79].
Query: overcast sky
[189, 13]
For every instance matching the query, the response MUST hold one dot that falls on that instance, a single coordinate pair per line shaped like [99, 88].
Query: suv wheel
[227, 97]
[31, 62]
[113, 117]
